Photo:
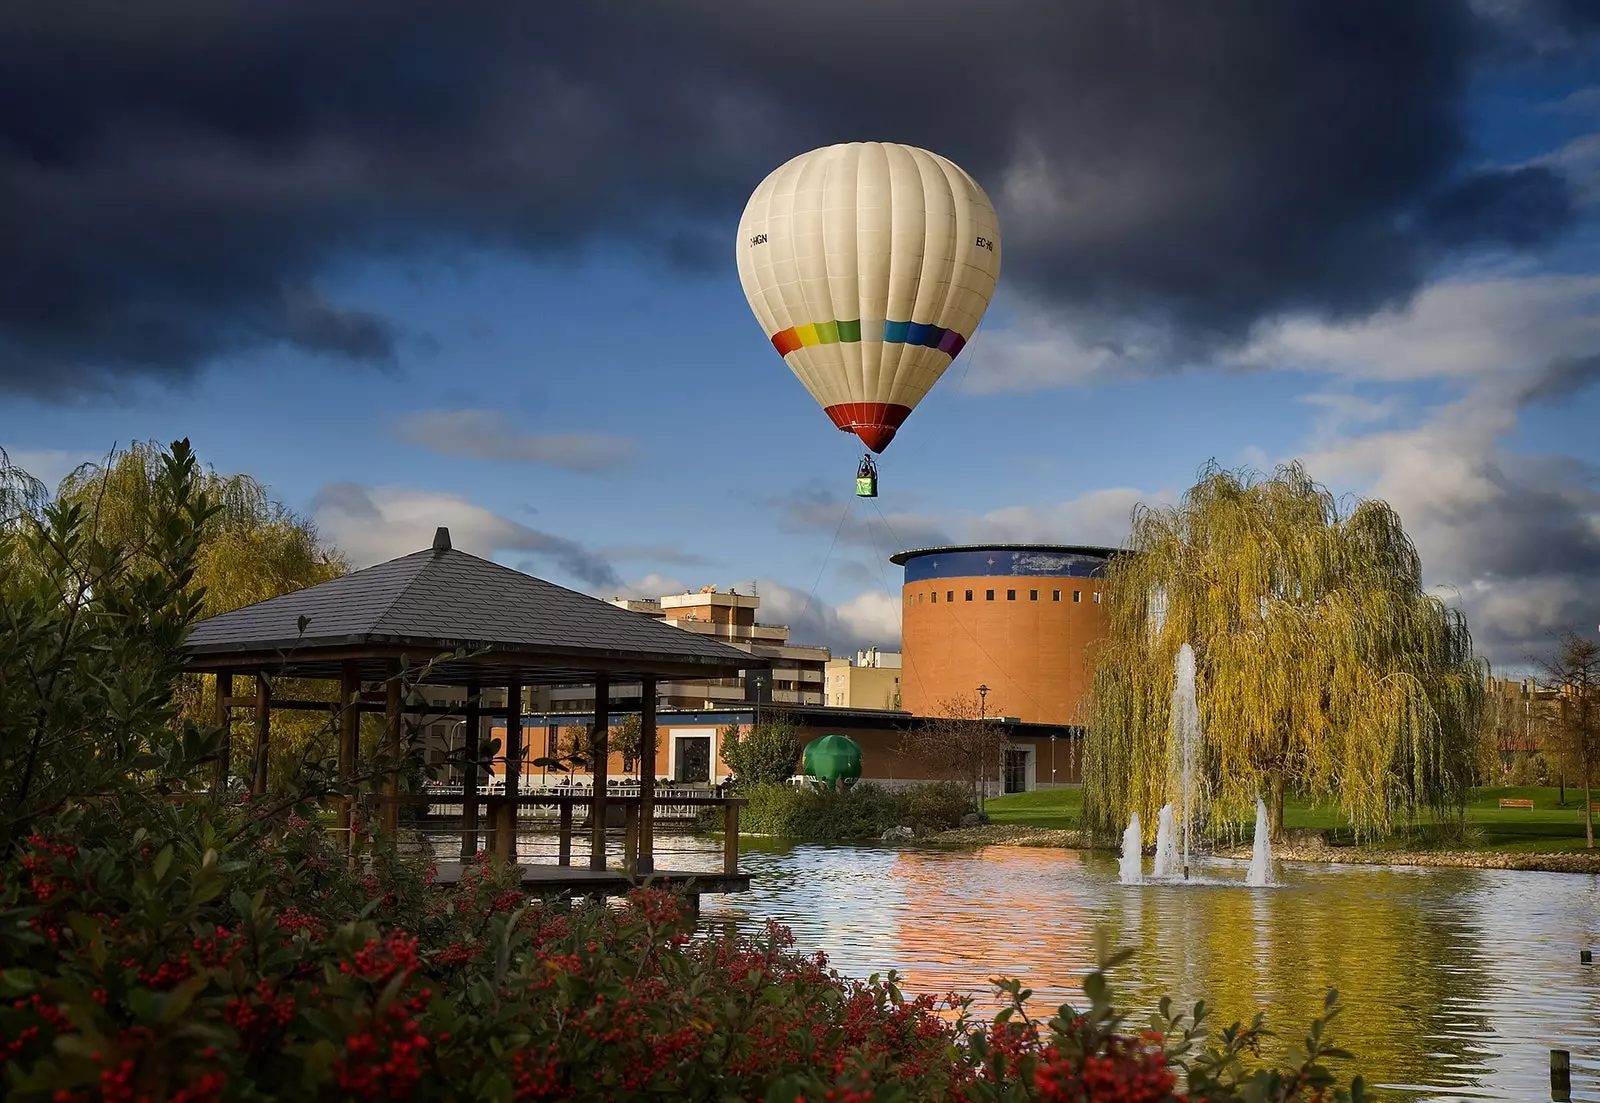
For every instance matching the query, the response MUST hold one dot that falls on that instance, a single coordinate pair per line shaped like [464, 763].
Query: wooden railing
[637, 822]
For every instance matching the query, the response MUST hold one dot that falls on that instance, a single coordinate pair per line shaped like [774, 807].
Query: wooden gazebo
[443, 617]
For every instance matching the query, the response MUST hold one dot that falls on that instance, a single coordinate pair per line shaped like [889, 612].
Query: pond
[1456, 983]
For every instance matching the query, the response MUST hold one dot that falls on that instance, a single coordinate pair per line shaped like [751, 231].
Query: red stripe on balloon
[785, 341]
[874, 422]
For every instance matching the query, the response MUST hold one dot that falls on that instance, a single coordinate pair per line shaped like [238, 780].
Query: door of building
[693, 762]
[1016, 779]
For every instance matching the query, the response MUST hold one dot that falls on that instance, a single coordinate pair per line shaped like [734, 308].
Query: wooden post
[730, 840]
[496, 842]
[630, 838]
[600, 751]
[258, 782]
[513, 762]
[645, 863]
[349, 746]
[472, 732]
[391, 750]
[224, 720]
[564, 843]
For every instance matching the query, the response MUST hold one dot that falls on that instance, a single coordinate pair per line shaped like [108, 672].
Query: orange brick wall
[1033, 655]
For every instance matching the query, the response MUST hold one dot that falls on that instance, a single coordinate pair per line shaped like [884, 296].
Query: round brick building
[1017, 618]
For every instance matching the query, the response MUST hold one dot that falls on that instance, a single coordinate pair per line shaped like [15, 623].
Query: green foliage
[217, 953]
[1323, 666]
[766, 754]
[248, 548]
[865, 811]
[89, 638]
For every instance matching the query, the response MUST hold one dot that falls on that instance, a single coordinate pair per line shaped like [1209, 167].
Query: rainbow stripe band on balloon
[829, 333]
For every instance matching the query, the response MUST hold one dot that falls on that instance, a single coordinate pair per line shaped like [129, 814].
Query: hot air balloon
[869, 266]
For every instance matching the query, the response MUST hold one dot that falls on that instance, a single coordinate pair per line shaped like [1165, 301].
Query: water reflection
[1457, 983]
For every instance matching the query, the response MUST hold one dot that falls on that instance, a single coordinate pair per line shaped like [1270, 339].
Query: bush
[765, 755]
[864, 811]
[222, 954]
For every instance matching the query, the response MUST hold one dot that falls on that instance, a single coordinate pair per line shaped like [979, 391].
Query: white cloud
[1579, 162]
[372, 524]
[1516, 536]
[1098, 517]
[489, 435]
[1045, 348]
[50, 465]
[1469, 330]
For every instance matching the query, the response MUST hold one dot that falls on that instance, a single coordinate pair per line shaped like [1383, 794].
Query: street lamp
[983, 693]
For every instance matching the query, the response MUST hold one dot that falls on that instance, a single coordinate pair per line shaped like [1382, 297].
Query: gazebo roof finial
[441, 540]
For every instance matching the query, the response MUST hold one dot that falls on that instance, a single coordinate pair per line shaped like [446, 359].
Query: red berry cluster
[260, 1016]
[382, 958]
[296, 921]
[1127, 1071]
[386, 1059]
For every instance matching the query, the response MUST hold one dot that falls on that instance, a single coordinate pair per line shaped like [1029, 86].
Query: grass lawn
[1547, 827]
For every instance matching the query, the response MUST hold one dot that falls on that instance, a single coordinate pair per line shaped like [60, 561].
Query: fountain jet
[1166, 864]
[1261, 854]
[1131, 869]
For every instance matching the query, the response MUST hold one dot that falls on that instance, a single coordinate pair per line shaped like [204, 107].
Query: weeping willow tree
[1322, 667]
[251, 548]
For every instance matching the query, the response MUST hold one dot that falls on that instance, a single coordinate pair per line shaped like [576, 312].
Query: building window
[988, 595]
[1011, 595]
[1077, 595]
[1055, 595]
[1097, 597]
[969, 595]
[919, 599]
[936, 597]
[1033, 595]
[950, 595]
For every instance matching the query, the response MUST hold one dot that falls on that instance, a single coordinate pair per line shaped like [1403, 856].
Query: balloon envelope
[869, 266]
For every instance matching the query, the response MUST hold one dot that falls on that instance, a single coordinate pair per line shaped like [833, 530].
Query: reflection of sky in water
[1456, 983]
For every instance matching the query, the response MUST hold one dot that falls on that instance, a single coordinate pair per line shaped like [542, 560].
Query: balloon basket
[867, 478]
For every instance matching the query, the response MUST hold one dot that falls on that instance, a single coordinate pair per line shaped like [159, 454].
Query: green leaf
[162, 863]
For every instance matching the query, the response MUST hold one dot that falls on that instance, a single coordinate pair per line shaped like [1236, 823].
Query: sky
[473, 265]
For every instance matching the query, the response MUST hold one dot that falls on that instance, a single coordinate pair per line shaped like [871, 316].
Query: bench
[1515, 803]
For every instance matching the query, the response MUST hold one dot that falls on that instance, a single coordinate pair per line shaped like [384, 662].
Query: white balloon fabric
[869, 265]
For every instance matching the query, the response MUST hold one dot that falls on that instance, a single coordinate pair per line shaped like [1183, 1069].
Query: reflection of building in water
[956, 934]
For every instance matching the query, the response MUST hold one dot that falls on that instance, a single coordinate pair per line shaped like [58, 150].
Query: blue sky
[588, 397]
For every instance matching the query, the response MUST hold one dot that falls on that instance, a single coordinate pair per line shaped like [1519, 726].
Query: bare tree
[959, 743]
[1575, 734]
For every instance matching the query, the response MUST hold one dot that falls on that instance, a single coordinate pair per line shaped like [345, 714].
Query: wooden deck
[635, 815]
[552, 880]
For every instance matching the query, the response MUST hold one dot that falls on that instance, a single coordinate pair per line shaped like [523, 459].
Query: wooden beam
[472, 735]
[513, 760]
[263, 703]
[600, 751]
[349, 746]
[224, 721]
[392, 750]
[645, 864]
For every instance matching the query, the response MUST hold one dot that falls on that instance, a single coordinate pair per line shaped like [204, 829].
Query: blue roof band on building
[1004, 560]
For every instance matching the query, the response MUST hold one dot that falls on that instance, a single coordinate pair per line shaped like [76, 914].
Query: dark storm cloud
[175, 174]
[1519, 207]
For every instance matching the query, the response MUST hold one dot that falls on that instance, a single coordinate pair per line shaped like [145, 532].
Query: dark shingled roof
[440, 600]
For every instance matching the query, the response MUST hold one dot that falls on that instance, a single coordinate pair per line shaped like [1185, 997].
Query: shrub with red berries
[217, 955]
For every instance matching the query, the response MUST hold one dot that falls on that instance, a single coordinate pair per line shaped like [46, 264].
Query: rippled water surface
[1457, 983]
